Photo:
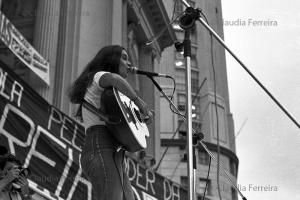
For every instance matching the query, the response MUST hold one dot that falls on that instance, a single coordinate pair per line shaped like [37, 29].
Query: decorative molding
[153, 18]
[212, 147]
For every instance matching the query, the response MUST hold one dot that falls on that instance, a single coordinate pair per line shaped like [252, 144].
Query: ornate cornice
[212, 147]
[153, 18]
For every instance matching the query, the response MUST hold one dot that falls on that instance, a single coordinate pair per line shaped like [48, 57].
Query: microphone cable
[216, 109]
[218, 146]
[178, 127]
[203, 145]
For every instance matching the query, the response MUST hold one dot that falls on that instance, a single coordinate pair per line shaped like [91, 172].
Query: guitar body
[131, 131]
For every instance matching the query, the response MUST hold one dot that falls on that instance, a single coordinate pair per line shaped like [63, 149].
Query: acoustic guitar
[131, 131]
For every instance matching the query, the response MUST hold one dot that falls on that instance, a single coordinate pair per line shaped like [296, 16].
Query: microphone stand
[192, 165]
[196, 139]
[220, 40]
[188, 86]
[193, 15]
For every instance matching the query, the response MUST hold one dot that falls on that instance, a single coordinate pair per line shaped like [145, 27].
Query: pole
[187, 55]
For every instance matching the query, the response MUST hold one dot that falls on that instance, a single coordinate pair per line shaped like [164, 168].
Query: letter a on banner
[13, 39]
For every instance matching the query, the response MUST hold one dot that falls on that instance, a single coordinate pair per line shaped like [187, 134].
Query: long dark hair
[107, 59]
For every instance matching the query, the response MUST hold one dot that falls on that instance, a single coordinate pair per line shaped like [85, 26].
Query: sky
[268, 144]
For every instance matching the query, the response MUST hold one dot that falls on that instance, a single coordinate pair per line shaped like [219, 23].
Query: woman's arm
[117, 81]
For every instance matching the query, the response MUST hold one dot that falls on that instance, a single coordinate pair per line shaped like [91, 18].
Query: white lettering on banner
[58, 118]
[74, 138]
[82, 180]
[42, 191]
[136, 194]
[16, 90]
[138, 177]
[147, 196]
[167, 187]
[5, 30]
[148, 177]
[149, 180]
[145, 179]
[129, 162]
[19, 131]
[35, 135]
[171, 194]
[11, 138]
[33, 151]
[65, 173]
[176, 192]
[65, 127]
[52, 118]
[52, 163]
[3, 76]
[141, 177]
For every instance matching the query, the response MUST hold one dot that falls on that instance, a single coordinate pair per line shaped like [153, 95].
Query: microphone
[137, 71]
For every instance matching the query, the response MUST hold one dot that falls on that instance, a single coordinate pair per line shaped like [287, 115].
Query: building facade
[207, 56]
[69, 33]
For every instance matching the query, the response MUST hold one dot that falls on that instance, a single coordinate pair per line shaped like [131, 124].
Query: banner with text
[49, 142]
[14, 40]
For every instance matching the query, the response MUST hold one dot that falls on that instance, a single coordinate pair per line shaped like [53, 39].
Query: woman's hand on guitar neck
[147, 114]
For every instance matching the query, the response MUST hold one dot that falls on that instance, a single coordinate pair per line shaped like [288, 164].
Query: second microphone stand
[192, 165]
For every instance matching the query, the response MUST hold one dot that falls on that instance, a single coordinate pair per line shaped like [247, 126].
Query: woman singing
[101, 159]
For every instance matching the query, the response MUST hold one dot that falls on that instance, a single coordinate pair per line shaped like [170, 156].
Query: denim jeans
[104, 166]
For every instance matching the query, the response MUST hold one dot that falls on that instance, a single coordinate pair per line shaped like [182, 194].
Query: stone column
[45, 42]
[147, 94]
[67, 52]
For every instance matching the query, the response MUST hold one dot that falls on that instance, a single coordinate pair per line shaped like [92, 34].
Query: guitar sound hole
[138, 114]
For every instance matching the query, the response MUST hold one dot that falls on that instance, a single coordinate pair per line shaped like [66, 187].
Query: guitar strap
[103, 116]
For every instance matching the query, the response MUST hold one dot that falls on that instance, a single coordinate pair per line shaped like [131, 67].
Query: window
[194, 64]
[195, 81]
[184, 157]
[196, 126]
[180, 80]
[194, 35]
[203, 158]
[232, 167]
[181, 108]
[202, 184]
[182, 135]
[179, 56]
[181, 99]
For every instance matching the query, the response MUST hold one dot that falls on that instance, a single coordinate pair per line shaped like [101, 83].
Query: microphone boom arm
[219, 39]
